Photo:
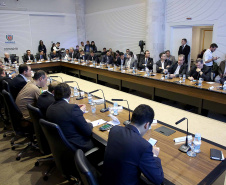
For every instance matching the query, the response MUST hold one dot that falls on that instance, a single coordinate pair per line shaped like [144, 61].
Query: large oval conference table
[178, 167]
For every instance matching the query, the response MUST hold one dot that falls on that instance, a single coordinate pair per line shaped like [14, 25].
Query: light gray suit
[172, 58]
[133, 63]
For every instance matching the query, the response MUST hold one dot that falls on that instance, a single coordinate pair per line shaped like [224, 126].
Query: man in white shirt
[208, 55]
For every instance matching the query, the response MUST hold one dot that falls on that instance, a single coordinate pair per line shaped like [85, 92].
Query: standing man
[87, 47]
[128, 154]
[208, 58]
[184, 49]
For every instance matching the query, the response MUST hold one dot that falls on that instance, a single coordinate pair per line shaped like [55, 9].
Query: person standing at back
[184, 49]
[42, 47]
[208, 58]
[128, 154]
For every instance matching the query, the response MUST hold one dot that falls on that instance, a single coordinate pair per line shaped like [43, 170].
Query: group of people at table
[125, 158]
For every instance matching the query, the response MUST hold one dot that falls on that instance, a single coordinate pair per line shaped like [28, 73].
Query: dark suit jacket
[95, 58]
[43, 57]
[127, 155]
[222, 67]
[183, 69]
[118, 62]
[185, 52]
[7, 79]
[42, 48]
[159, 64]
[6, 60]
[74, 55]
[87, 48]
[149, 63]
[54, 56]
[16, 84]
[44, 101]
[74, 126]
[81, 57]
[94, 48]
[111, 60]
[26, 58]
[206, 73]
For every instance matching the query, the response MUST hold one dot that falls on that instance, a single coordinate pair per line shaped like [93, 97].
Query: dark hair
[91, 51]
[38, 74]
[213, 45]
[185, 40]
[127, 49]
[41, 42]
[58, 42]
[199, 60]
[61, 91]
[130, 53]
[67, 49]
[28, 50]
[142, 114]
[146, 52]
[104, 48]
[167, 51]
[1, 71]
[22, 68]
[121, 53]
[160, 55]
[52, 86]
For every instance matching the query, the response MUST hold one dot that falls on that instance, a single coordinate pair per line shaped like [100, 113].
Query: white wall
[116, 24]
[30, 21]
[203, 13]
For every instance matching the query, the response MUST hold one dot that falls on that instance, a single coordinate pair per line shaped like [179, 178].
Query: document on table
[98, 122]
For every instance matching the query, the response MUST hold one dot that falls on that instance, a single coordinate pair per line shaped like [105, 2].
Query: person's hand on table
[88, 121]
[160, 67]
[190, 78]
[155, 151]
[198, 70]
[172, 75]
[82, 107]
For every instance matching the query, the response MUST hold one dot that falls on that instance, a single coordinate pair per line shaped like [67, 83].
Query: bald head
[52, 86]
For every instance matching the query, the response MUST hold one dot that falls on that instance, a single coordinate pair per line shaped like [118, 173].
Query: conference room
[118, 76]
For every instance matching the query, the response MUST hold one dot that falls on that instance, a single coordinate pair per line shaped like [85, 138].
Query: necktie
[146, 61]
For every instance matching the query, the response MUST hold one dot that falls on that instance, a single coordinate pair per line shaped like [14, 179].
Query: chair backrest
[63, 152]
[5, 86]
[14, 112]
[36, 115]
[86, 171]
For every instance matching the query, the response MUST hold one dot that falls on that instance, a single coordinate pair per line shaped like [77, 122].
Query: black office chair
[63, 152]
[88, 174]
[43, 145]
[16, 119]
[5, 85]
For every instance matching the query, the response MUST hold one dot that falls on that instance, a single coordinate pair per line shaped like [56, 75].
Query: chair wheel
[45, 178]
[13, 148]
[18, 158]
[37, 163]
[4, 135]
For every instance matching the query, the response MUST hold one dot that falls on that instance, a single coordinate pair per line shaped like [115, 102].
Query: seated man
[131, 61]
[221, 71]
[72, 53]
[54, 55]
[41, 56]
[178, 68]
[8, 60]
[70, 119]
[128, 154]
[200, 71]
[81, 55]
[20, 80]
[162, 65]
[47, 98]
[93, 57]
[121, 59]
[30, 93]
[108, 59]
[146, 61]
[28, 56]
[67, 57]
[170, 57]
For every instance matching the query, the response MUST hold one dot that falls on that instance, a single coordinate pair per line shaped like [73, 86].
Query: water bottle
[224, 86]
[72, 59]
[115, 108]
[93, 107]
[121, 67]
[200, 82]
[166, 76]
[75, 91]
[35, 60]
[197, 143]
[48, 59]
[184, 78]
[90, 99]
[115, 67]
[147, 71]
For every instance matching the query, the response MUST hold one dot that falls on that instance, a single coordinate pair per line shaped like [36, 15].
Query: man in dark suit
[128, 154]
[28, 56]
[3, 77]
[121, 59]
[41, 56]
[54, 55]
[70, 119]
[146, 61]
[92, 57]
[72, 53]
[20, 80]
[46, 98]
[162, 65]
[184, 49]
[8, 59]
[87, 47]
[108, 59]
[178, 68]
[200, 71]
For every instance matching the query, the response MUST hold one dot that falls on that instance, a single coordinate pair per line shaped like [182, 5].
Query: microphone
[184, 148]
[127, 121]
[57, 77]
[104, 109]
[79, 97]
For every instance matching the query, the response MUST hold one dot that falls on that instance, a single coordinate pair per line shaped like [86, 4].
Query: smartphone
[152, 141]
[105, 127]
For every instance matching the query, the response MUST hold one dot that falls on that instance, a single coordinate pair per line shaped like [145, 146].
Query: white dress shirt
[177, 70]
[207, 56]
